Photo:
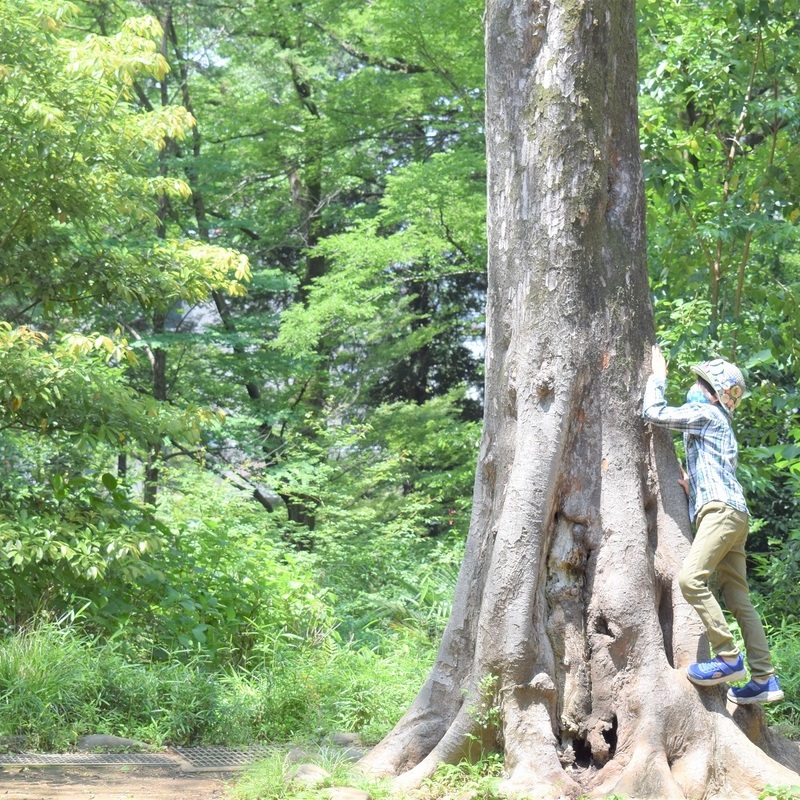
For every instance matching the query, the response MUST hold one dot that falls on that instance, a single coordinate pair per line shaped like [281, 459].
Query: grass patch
[57, 685]
[276, 778]
[479, 780]
[785, 651]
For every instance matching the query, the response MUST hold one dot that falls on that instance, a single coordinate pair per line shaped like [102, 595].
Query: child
[718, 509]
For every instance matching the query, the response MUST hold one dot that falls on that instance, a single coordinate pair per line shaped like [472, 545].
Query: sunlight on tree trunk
[569, 638]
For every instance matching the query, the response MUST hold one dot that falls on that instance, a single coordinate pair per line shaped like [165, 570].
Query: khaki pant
[718, 546]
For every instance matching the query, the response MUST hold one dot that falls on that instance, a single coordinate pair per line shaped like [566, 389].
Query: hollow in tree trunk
[569, 638]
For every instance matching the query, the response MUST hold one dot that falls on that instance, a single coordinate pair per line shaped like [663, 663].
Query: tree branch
[136, 335]
[392, 64]
[259, 494]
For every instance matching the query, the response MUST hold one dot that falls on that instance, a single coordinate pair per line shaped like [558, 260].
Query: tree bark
[569, 638]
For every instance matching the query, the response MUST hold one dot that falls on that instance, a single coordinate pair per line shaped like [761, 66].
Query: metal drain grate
[219, 759]
[188, 759]
[84, 759]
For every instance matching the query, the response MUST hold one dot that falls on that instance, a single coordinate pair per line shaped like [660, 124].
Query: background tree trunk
[569, 638]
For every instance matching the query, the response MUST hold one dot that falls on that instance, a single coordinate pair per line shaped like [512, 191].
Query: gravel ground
[111, 783]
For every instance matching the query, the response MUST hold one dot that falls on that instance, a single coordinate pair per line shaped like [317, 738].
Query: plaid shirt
[711, 449]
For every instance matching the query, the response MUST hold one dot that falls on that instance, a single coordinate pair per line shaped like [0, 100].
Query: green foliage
[486, 711]
[57, 685]
[402, 283]
[64, 112]
[375, 685]
[63, 533]
[336, 685]
[777, 573]
[220, 584]
[480, 779]
[780, 793]
[784, 650]
[73, 189]
[46, 686]
[79, 244]
[431, 223]
[72, 389]
[717, 111]
[392, 499]
[270, 779]
[364, 222]
[719, 107]
[274, 779]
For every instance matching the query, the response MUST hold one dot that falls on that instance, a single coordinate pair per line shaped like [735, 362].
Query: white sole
[764, 697]
[734, 676]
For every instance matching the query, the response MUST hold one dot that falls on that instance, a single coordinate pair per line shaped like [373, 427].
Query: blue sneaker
[709, 673]
[755, 692]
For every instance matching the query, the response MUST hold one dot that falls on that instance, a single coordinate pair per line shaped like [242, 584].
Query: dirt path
[111, 783]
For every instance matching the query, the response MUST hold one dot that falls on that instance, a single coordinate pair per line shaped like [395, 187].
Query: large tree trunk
[569, 638]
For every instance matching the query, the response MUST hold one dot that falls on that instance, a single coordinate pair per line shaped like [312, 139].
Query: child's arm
[688, 418]
[658, 364]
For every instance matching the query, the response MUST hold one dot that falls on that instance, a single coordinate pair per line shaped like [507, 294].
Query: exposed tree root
[452, 747]
[417, 734]
[532, 763]
[691, 749]
[752, 721]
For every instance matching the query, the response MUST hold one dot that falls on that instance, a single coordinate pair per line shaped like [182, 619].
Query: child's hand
[683, 481]
[659, 363]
